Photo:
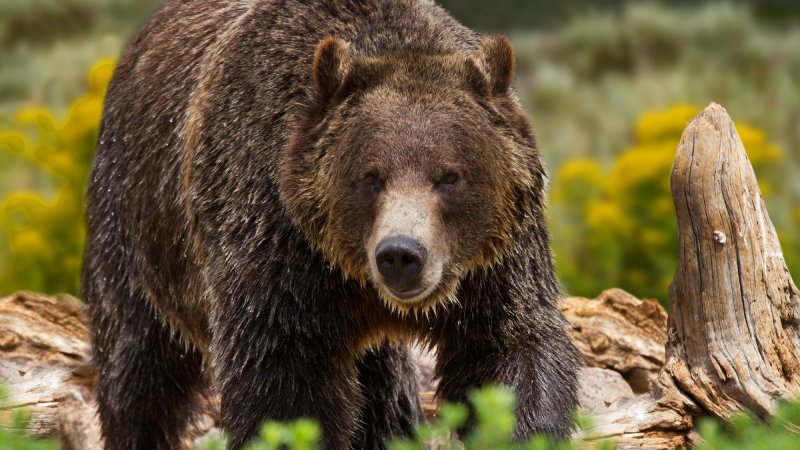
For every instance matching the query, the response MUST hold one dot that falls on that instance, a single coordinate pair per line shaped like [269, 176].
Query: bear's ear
[496, 59]
[329, 68]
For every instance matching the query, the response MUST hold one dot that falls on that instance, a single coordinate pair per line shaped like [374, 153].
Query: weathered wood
[44, 363]
[44, 343]
[620, 332]
[601, 388]
[627, 335]
[735, 318]
[661, 418]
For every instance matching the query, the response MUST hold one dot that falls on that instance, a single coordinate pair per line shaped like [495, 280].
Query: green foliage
[12, 434]
[495, 418]
[747, 432]
[302, 434]
[46, 45]
[494, 411]
[505, 15]
[39, 22]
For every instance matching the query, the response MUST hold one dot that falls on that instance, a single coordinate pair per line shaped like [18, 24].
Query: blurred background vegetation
[609, 86]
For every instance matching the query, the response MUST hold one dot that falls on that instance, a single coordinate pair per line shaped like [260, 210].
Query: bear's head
[408, 171]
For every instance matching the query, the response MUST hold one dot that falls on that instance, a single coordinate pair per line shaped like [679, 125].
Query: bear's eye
[449, 179]
[372, 180]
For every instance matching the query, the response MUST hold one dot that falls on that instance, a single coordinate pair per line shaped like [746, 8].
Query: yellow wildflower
[609, 216]
[653, 237]
[13, 140]
[36, 115]
[84, 117]
[581, 169]
[655, 125]
[31, 242]
[100, 76]
[640, 165]
[31, 203]
[578, 178]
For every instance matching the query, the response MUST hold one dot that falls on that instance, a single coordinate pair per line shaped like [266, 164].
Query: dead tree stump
[733, 323]
[733, 331]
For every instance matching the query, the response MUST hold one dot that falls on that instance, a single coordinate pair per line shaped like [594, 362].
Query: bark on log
[620, 332]
[44, 363]
[732, 342]
[44, 343]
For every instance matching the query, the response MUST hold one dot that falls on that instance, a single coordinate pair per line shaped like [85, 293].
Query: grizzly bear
[286, 193]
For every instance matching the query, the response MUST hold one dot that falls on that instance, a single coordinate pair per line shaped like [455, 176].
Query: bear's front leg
[502, 336]
[391, 408]
[277, 359]
[283, 377]
[539, 367]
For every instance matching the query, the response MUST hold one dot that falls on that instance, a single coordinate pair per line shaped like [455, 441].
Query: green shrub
[495, 418]
[592, 85]
[747, 432]
[617, 227]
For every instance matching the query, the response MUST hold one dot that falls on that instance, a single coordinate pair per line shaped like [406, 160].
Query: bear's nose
[400, 260]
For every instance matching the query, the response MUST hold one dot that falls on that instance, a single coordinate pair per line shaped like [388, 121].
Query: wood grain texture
[44, 346]
[734, 324]
[620, 332]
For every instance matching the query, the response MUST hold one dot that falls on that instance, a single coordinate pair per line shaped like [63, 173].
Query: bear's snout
[407, 252]
[400, 261]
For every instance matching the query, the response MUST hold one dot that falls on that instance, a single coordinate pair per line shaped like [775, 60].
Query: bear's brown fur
[286, 192]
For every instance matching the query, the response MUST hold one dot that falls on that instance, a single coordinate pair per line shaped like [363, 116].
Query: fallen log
[730, 342]
[45, 365]
[44, 360]
[44, 345]
[618, 331]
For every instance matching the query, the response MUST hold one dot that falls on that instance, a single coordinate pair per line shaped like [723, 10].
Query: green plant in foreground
[303, 434]
[745, 431]
[494, 416]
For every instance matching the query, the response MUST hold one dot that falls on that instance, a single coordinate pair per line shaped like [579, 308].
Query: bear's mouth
[422, 300]
[406, 294]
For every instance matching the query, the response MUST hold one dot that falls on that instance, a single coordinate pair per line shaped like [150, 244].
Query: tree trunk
[733, 324]
[731, 341]
[735, 310]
